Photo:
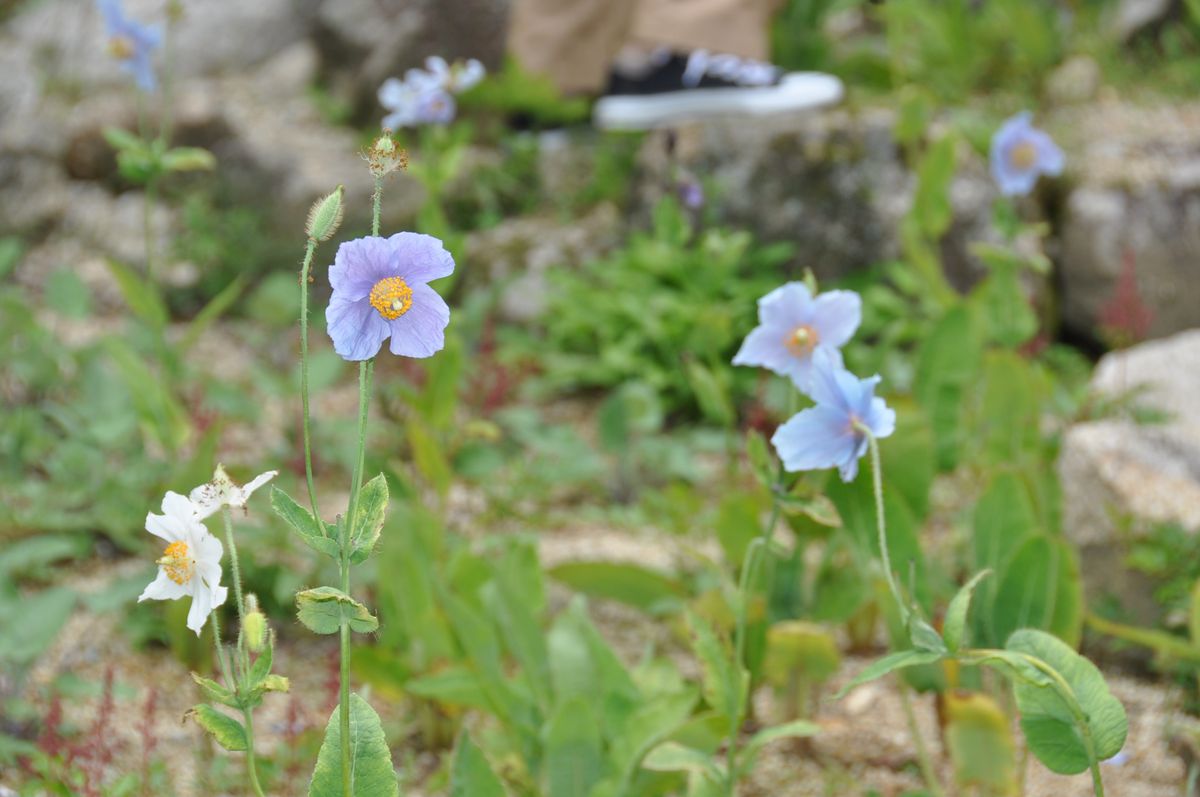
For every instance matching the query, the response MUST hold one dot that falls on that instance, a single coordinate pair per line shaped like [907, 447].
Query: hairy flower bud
[254, 626]
[325, 216]
[385, 155]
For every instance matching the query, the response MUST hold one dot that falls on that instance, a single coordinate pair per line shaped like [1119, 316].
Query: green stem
[149, 198]
[236, 571]
[376, 200]
[222, 661]
[924, 762]
[365, 369]
[251, 766]
[881, 520]
[308, 468]
[227, 673]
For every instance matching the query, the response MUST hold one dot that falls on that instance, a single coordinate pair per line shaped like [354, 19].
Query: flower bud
[385, 155]
[325, 216]
[254, 630]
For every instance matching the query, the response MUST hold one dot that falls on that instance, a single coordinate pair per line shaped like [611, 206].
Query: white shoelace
[743, 71]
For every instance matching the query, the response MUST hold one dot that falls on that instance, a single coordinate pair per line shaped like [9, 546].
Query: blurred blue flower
[1021, 153]
[380, 291]
[832, 433]
[131, 43]
[426, 96]
[691, 193]
[793, 327]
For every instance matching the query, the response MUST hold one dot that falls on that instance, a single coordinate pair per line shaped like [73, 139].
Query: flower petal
[162, 588]
[164, 527]
[258, 481]
[418, 258]
[421, 331]
[356, 329]
[202, 606]
[836, 315]
[358, 265]
[788, 306]
[813, 439]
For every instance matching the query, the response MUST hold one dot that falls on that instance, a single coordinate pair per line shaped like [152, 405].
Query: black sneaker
[702, 85]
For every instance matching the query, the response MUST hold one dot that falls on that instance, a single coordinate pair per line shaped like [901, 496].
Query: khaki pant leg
[570, 41]
[736, 27]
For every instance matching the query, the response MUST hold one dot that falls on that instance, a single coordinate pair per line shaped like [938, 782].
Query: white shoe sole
[798, 91]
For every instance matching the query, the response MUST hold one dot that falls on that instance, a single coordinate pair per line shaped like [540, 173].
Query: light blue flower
[1021, 153]
[131, 43]
[380, 291]
[831, 434]
[793, 326]
[426, 96]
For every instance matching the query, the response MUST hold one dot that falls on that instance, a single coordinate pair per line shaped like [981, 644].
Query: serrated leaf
[956, 614]
[1054, 729]
[372, 507]
[227, 731]
[725, 681]
[371, 769]
[302, 521]
[323, 609]
[889, 663]
[214, 691]
[470, 774]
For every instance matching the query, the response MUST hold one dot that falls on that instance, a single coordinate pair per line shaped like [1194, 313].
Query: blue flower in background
[1021, 153]
[131, 43]
[793, 327]
[380, 291]
[426, 96]
[831, 434]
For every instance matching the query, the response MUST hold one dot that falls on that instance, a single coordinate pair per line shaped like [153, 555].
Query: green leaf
[711, 392]
[302, 521]
[954, 626]
[323, 609]
[788, 730]
[1041, 588]
[456, 686]
[214, 691]
[140, 295]
[372, 507]
[889, 663]
[574, 751]
[470, 774]
[675, 757]
[215, 308]
[980, 742]
[1055, 732]
[371, 769]
[760, 458]
[188, 159]
[120, 139]
[737, 524]
[227, 731]
[946, 362]
[262, 665]
[631, 584]
[28, 626]
[924, 636]
[725, 682]
[429, 455]
[931, 201]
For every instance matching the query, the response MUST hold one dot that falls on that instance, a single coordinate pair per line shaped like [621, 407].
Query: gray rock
[364, 42]
[1077, 80]
[1137, 195]
[1120, 478]
[1135, 16]
[833, 183]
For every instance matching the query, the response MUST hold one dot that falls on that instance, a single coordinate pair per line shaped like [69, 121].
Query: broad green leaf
[140, 294]
[188, 159]
[470, 774]
[738, 522]
[1009, 419]
[725, 682]
[429, 455]
[120, 139]
[712, 394]
[652, 721]
[521, 630]
[1041, 588]
[302, 521]
[946, 363]
[28, 626]
[369, 516]
[1003, 519]
[889, 663]
[322, 610]
[1002, 301]
[799, 649]
[674, 757]
[214, 691]
[371, 769]
[931, 201]
[980, 742]
[453, 685]
[227, 731]
[1053, 729]
[637, 586]
[953, 628]
[574, 750]
[583, 665]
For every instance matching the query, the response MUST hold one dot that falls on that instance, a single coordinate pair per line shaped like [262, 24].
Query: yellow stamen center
[391, 297]
[177, 563]
[802, 340]
[1023, 156]
[120, 47]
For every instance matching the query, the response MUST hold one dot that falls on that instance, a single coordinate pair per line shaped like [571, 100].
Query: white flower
[221, 491]
[464, 74]
[400, 98]
[191, 563]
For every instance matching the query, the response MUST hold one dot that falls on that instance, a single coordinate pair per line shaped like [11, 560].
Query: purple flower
[832, 433]
[691, 193]
[1021, 153]
[793, 326]
[379, 291]
[131, 43]
[435, 107]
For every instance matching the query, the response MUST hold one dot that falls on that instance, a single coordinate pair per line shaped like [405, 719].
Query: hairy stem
[251, 765]
[881, 521]
[376, 200]
[236, 571]
[308, 468]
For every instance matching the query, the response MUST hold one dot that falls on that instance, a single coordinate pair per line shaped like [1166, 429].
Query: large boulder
[1121, 478]
[364, 42]
[834, 183]
[1135, 205]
